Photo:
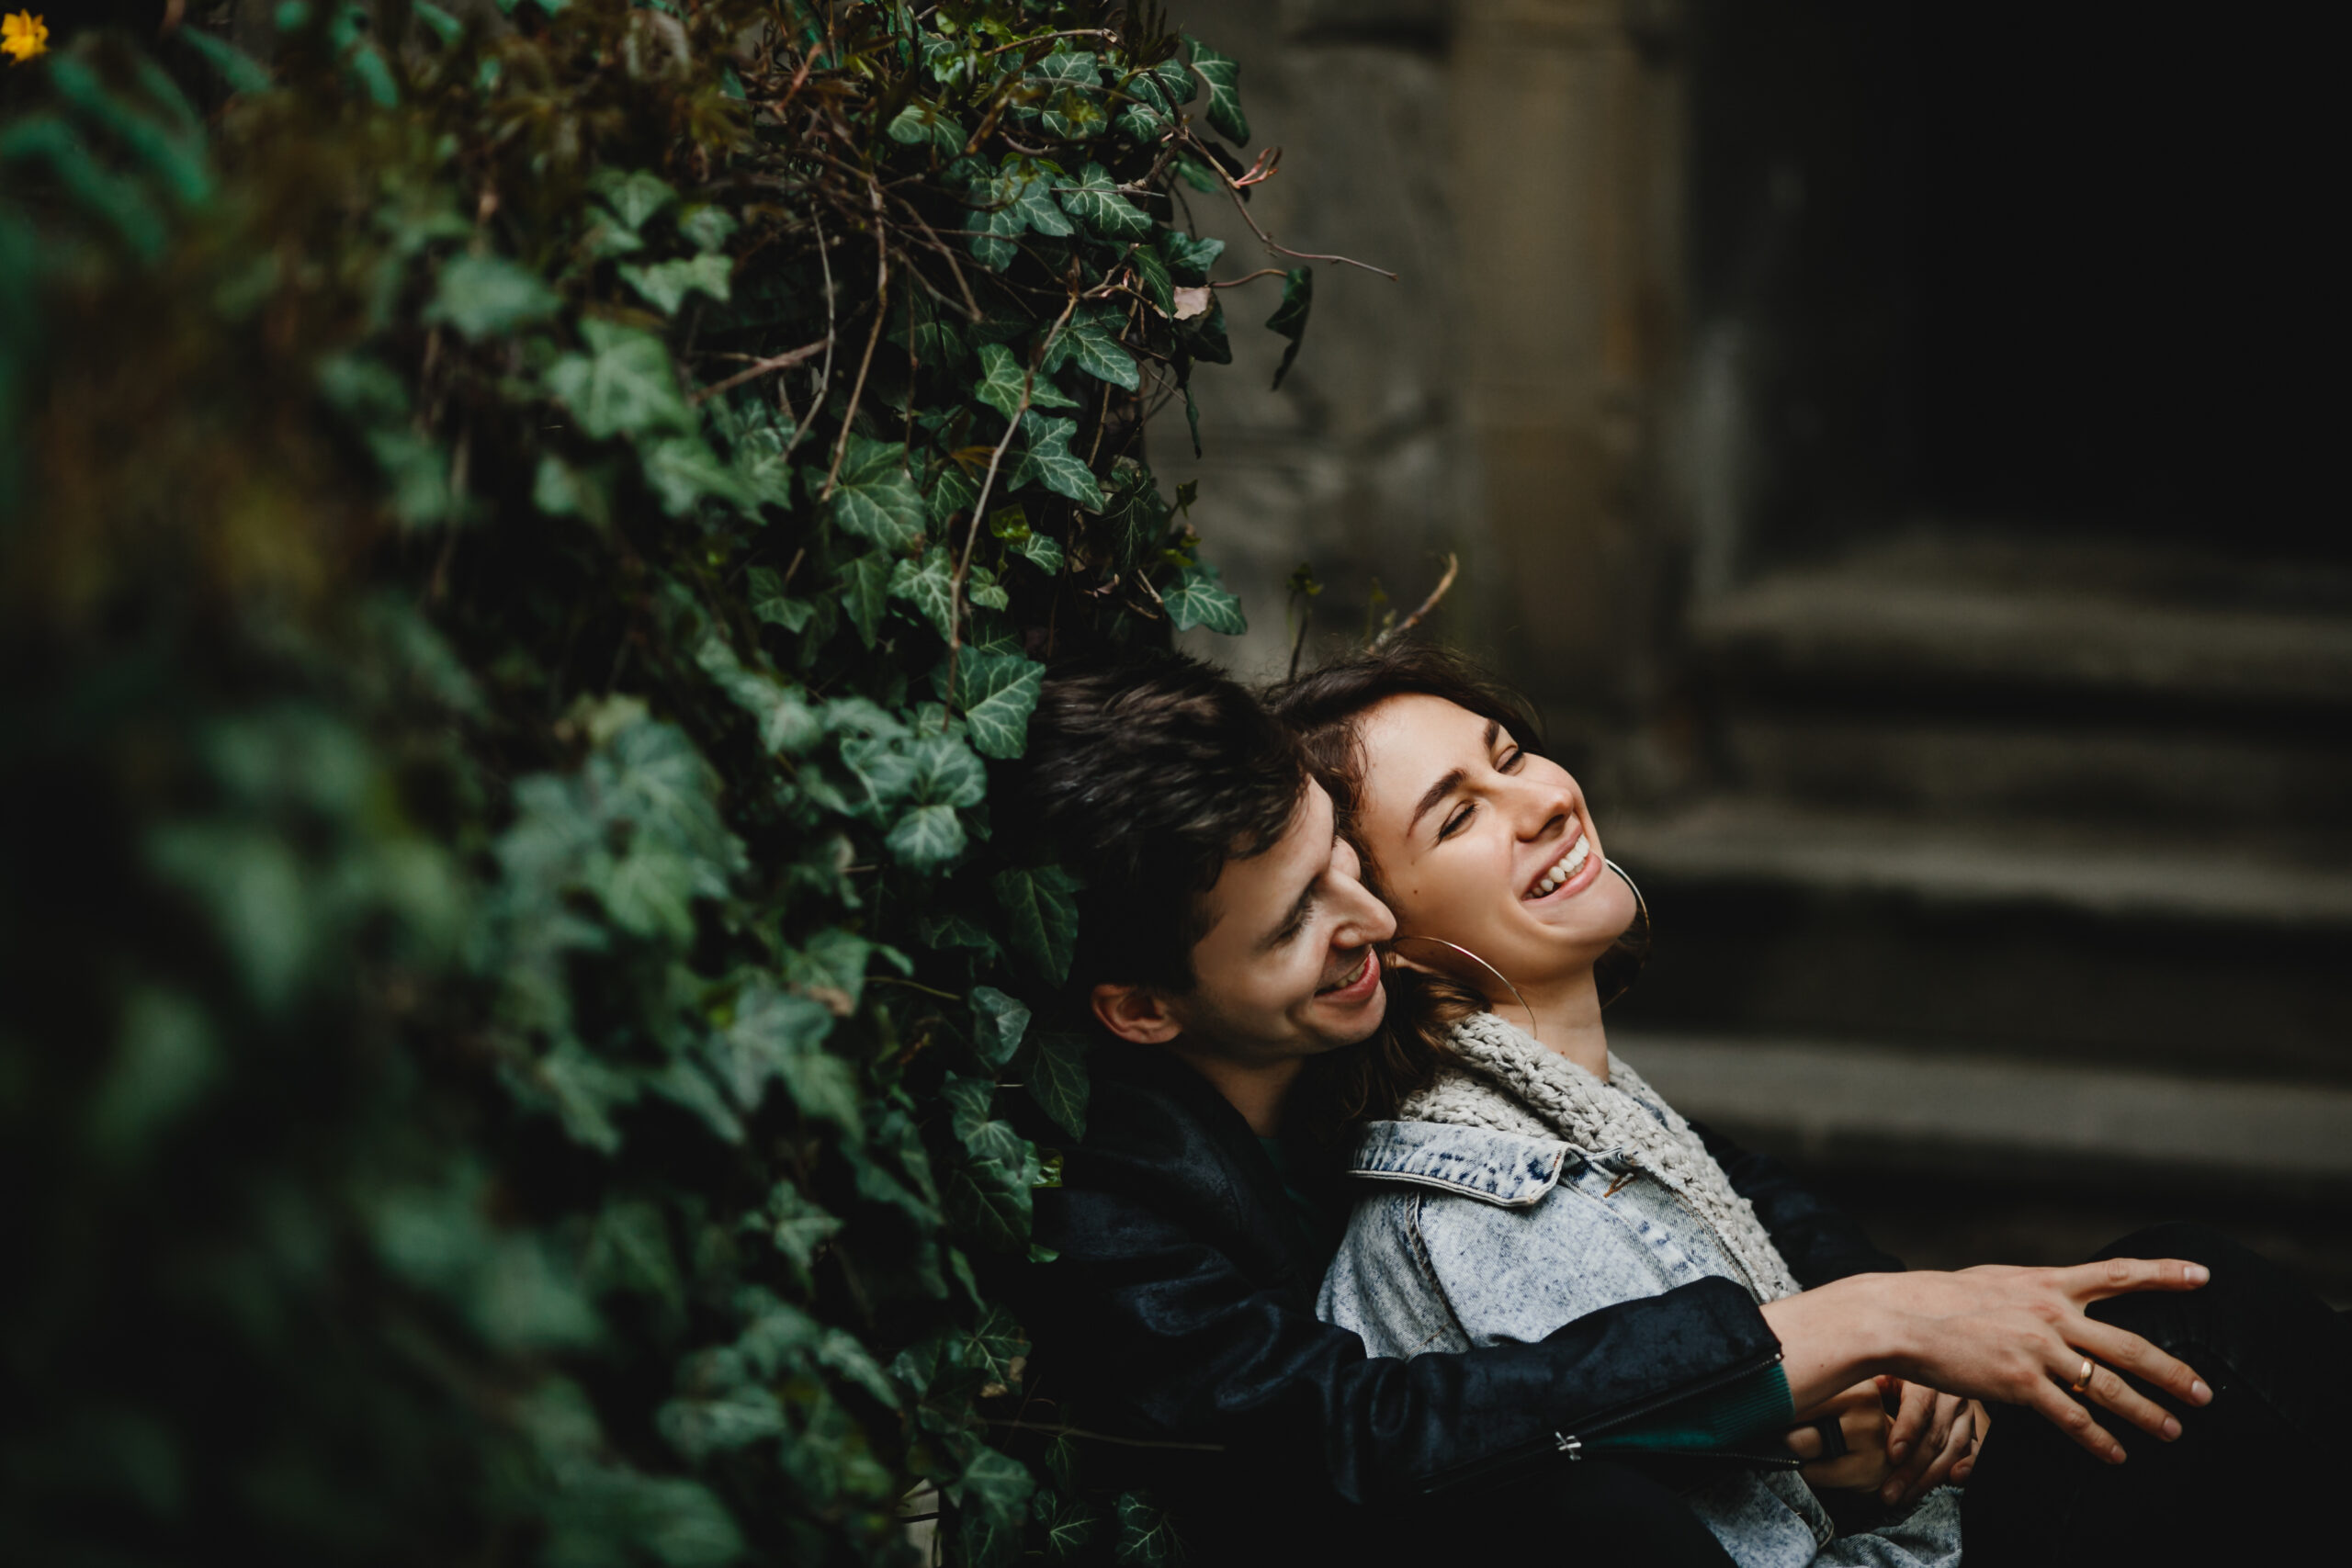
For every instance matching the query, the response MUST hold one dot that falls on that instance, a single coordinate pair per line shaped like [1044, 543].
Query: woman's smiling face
[1484, 845]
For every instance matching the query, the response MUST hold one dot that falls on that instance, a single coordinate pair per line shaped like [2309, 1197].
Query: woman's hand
[1863, 1421]
[1934, 1439]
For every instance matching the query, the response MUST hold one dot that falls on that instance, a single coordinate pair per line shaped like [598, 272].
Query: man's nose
[1366, 919]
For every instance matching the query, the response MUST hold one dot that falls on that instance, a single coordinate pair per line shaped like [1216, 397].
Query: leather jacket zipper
[1573, 1444]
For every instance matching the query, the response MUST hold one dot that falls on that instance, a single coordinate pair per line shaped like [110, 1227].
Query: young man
[1224, 942]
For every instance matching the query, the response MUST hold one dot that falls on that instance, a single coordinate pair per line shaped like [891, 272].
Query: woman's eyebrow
[1437, 792]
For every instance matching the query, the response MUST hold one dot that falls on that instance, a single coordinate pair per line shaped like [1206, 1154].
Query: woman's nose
[1540, 809]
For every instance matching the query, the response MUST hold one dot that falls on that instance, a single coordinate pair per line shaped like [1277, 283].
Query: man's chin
[1350, 1023]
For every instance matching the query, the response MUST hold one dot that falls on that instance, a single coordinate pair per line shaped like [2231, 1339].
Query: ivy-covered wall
[520, 540]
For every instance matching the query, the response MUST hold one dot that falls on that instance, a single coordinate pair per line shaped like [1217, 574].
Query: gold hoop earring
[1618, 967]
[1481, 964]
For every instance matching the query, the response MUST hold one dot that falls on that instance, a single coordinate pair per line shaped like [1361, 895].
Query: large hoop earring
[1618, 967]
[1481, 964]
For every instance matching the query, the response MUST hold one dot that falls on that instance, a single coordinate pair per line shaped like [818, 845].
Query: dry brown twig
[881, 315]
[981, 505]
[1453, 566]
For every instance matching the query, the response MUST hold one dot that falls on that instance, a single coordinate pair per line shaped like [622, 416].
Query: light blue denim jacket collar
[1503, 1168]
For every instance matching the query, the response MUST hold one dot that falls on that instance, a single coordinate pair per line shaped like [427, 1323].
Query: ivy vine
[520, 539]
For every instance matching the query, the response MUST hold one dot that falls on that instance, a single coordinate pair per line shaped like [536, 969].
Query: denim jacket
[1469, 1237]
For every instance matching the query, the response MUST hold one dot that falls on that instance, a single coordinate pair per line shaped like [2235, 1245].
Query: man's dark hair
[1145, 777]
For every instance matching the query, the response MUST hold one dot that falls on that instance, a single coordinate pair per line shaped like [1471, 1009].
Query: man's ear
[1136, 1013]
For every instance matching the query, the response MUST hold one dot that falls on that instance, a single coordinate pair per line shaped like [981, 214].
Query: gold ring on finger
[2083, 1379]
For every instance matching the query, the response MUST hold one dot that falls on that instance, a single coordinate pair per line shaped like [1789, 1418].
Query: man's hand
[1863, 1422]
[1997, 1334]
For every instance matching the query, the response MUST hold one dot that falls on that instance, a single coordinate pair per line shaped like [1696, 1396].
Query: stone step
[1970, 1157]
[2213, 954]
[2079, 766]
[1934, 618]
[1831, 1104]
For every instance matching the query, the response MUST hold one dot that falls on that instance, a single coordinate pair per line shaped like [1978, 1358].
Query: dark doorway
[2027, 268]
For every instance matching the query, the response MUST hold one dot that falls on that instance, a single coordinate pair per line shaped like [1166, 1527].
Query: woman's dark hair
[1325, 709]
[1145, 776]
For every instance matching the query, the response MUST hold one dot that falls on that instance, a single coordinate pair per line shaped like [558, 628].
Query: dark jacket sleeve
[1163, 1331]
[1820, 1243]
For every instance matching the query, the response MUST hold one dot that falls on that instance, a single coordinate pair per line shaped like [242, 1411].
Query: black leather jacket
[1181, 1310]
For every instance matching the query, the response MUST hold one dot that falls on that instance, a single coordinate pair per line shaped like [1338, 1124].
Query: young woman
[1515, 1176]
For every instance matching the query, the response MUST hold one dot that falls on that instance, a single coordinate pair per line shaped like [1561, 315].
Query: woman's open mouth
[1568, 869]
[1355, 985]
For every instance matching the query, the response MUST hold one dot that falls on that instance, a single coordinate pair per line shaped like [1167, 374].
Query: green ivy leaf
[1222, 73]
[874, 498]
[1136, 518]
[1189, 260]
[707, 227]
[771, 603]
[1044, 552]
[865, 583]
[928, 584]
[485, 295]
[775, 1036]
[946, 771]
[1096, 201]
[634, 196]
[1147, 1534]
[624, 385]
[1290, 317]
[1049, 462]
[1091, 338]
[1152, 277]
[951, 492]
[1042, 912]
[997, 1486]
[1199, 600]
[1001, 380]
[996, 692]
[926, 837]
[683, 470]
[993, 233]
[799, 1228]
[1071, 1525]
[1058, 1079]
[918, 125]
[665, 285]
[998, 1022]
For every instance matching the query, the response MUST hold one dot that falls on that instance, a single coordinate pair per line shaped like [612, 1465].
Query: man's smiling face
[1285, 969]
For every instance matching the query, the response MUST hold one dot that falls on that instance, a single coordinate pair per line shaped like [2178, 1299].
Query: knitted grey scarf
[1502, 1079]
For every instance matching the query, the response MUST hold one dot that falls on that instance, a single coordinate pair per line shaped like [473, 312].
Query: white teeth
[1567, 866]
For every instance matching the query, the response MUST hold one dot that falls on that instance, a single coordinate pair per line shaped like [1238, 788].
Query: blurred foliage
[519, 532]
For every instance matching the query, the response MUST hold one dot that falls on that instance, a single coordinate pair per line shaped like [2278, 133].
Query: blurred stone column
[1568, 161]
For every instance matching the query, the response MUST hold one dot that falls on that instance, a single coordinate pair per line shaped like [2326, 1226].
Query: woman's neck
[1567, 1019]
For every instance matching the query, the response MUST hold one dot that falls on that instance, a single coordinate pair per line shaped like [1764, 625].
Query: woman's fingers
[1935, 1463]
[1911, 1420]
[2120, 1276]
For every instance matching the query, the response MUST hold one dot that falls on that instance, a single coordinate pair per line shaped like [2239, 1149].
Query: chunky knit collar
[1503, 1079]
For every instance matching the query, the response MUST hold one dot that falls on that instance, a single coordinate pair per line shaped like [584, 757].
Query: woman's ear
[1136, 1013]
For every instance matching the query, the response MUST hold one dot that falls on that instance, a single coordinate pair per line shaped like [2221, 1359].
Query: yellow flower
[22, 35]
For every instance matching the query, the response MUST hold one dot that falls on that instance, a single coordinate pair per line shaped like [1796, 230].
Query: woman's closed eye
[1511, 762]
